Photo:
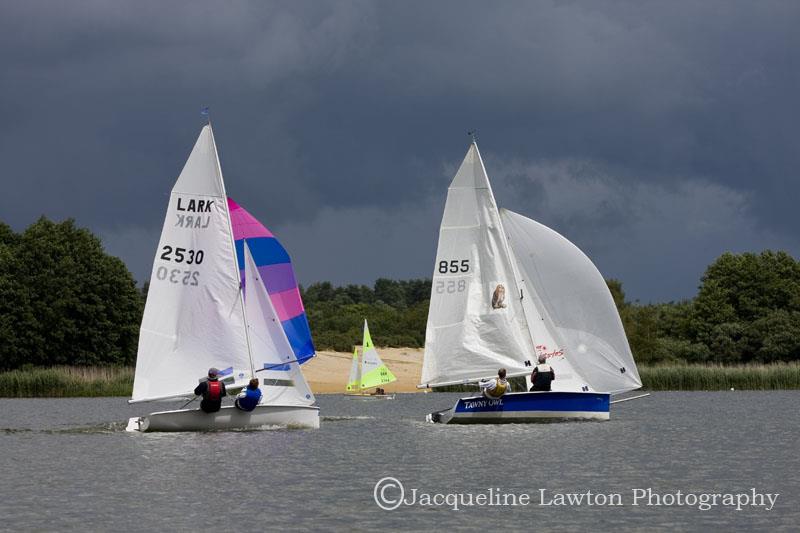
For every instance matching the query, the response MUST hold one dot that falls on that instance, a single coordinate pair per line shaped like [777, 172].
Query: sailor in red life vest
[212, 392]
[542, 375]
[495, 388]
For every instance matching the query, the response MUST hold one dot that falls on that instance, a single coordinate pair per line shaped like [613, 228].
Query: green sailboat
[368, 373]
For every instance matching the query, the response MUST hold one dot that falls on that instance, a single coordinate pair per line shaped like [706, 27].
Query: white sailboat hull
[367, 396]
[299, 416]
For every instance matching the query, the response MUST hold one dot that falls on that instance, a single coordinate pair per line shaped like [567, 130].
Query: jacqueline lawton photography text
[389, 494]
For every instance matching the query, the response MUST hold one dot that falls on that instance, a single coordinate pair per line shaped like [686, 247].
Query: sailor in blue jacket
[249, 397]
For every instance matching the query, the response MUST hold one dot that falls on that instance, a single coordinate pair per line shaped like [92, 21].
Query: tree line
[64, 301]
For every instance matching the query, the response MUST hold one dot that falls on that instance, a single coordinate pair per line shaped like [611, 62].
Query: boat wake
[344, 418]
[102, 428]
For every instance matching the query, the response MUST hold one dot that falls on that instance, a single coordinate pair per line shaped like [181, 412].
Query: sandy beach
[327, 373]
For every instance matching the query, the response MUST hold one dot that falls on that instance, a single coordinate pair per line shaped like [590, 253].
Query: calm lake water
[68, 464]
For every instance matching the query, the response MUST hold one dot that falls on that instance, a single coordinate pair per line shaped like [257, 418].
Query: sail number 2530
[454, 267]
[180, 255]
[176, 275]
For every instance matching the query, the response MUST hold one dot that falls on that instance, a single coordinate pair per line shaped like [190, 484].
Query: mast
[233, 247]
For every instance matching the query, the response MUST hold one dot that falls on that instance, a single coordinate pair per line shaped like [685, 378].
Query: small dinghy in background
[220, 297]
[507, 291]
[368, 373]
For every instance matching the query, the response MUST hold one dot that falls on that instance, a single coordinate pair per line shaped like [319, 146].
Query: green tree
[745, 299]
[72, 303]
[18, 325]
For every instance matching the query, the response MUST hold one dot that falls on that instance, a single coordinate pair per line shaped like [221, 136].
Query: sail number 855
[454, 266]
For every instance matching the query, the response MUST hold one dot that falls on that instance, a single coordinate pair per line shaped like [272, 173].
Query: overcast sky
[654, 135]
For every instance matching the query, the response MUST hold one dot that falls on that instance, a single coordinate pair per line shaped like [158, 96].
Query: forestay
[576, 303]
[476, 323]
[282, 380]
[193, 317]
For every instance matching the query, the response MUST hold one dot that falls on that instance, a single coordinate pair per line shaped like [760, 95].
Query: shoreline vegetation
[65, 302]
[67, 381]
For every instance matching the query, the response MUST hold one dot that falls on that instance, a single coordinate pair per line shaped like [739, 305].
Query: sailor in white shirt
[495, 388]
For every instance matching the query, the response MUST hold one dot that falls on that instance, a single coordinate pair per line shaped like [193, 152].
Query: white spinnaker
[548, 343]
[282, 381]
[576, 300]
[193, 316]
[473, 329]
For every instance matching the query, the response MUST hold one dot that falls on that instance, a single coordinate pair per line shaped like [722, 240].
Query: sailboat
[368, 373]
[210, 304]
[508, 291]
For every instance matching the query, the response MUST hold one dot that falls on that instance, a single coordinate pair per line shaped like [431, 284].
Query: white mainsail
[476, 323]
[276, 366]
[574, 301]
[193, 317]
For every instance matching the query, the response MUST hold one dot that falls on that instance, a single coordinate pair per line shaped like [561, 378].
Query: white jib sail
[476, 323]
[193, 316]
[574, 300]
[282, 381]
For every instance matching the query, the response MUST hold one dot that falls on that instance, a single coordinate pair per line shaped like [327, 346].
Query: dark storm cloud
[655, 135]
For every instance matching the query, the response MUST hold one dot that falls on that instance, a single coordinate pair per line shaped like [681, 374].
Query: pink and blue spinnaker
[277, 274]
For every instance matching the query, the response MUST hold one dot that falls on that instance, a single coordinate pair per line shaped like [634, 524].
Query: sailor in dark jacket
[212, 392]
[542, 375]
[249, 397]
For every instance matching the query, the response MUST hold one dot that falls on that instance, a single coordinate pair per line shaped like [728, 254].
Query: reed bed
[686, 377]
[66, 381]
[777, 376]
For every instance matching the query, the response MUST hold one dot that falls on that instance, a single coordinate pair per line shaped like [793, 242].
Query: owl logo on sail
[499, 297]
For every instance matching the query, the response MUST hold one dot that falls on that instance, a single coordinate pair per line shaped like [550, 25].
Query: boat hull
[370, 396]
[229, 417]
[526, 407]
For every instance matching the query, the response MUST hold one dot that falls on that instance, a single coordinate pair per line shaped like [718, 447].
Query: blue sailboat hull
[526, 407]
